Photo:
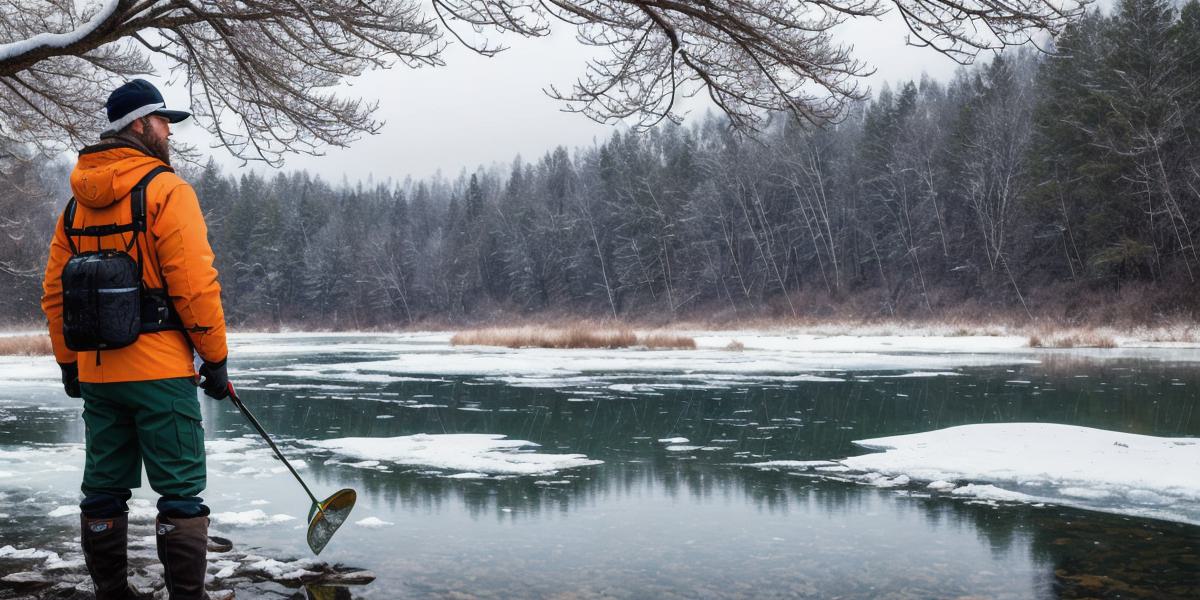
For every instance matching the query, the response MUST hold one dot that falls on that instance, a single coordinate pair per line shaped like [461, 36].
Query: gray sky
[478, 110]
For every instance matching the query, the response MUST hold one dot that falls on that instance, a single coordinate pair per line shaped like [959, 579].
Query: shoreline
[1179, 334]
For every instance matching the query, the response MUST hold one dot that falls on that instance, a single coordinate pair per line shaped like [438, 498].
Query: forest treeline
[1034, 184]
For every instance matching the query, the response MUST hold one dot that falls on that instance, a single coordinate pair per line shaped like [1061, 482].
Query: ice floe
[63, 511]
[914, 374]
[488, 454]
[467, 475]
[1034, 462]
[25, 553]
[51, 561]
[373, 523]
[249, 518]
[280, 570]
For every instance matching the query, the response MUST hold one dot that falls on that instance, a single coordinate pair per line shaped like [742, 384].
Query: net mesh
[326, 520]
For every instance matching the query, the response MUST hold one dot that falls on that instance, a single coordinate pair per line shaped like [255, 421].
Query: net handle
[233, 396]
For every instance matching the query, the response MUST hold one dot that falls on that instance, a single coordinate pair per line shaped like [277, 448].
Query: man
[139, 400]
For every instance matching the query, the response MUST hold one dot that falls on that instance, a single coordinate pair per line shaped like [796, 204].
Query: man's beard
[159, 148]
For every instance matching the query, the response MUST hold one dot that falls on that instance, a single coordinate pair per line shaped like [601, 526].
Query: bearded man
[139, 392]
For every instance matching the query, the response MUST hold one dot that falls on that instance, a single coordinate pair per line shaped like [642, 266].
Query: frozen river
[669, 474]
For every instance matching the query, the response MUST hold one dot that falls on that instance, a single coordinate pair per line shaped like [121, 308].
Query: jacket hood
[107, 172]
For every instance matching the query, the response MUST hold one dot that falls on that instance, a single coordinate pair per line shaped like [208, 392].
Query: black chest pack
[105, 303]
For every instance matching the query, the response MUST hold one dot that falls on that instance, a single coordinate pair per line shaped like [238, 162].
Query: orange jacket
[174, 247]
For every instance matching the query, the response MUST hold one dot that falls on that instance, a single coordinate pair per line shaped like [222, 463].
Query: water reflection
[1073, 553]
[652, 522]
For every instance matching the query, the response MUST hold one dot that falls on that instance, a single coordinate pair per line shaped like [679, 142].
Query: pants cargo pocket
[188, 431]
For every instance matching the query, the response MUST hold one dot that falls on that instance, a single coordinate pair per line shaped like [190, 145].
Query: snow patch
[488, 454]
[991, 492]
[280, 570]
[373, 523]
[25, 553]
[249, 518]
[63, 511]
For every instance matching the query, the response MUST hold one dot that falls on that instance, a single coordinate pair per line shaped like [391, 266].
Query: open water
[650, 522]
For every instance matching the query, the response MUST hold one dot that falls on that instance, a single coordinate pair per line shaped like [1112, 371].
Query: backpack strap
[68, 221]
[137, 209]
[137, 197]
[158, 312]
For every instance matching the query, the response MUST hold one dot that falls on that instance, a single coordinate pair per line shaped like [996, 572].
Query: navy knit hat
[134, 100]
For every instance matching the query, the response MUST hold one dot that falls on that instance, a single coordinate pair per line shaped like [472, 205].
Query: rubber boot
[105, 551]
[182, 548]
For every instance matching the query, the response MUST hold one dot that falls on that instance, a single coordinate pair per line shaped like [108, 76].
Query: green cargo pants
[156, 422]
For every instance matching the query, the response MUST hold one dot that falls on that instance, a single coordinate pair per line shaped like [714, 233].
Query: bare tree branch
[265, 76]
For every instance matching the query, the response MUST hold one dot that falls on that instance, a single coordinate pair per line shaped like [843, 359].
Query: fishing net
[324, 521]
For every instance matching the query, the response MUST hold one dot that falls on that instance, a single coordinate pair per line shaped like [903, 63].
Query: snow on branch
[58, 40]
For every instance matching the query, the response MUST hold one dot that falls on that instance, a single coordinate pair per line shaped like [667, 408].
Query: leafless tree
[263, 75]
[994, 156]
[260, 74]
[806, 175]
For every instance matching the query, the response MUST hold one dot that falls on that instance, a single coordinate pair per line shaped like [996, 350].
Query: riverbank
[591, 333]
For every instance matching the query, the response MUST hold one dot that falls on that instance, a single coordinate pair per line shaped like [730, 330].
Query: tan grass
[670, 341]
[1078, 338]
[25, 345]
[578, 336]
[537, 337]
[735, 346]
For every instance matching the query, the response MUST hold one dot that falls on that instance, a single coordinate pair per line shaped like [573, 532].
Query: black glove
[70, 376]
[216, 380]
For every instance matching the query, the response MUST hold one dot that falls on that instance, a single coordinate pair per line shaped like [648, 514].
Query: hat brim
[173, 116]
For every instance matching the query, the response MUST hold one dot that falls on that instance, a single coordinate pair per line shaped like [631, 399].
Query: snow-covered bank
[778, 356]
[1034, 462]
[769, 358]
[486, 454]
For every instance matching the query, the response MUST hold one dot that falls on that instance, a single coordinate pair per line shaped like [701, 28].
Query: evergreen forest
[1062, 184]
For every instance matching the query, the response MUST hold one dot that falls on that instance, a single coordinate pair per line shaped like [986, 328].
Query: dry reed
[25, 345]
[1086, 338]
[668, 341]
[569, 337]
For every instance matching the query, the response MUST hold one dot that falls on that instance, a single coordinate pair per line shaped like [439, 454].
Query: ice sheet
[1041, 453]
[1038, 462]
[488, 454]
[775, 357]
[541, 365]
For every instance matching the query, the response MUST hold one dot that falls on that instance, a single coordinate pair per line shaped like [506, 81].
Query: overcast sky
[479, 111]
